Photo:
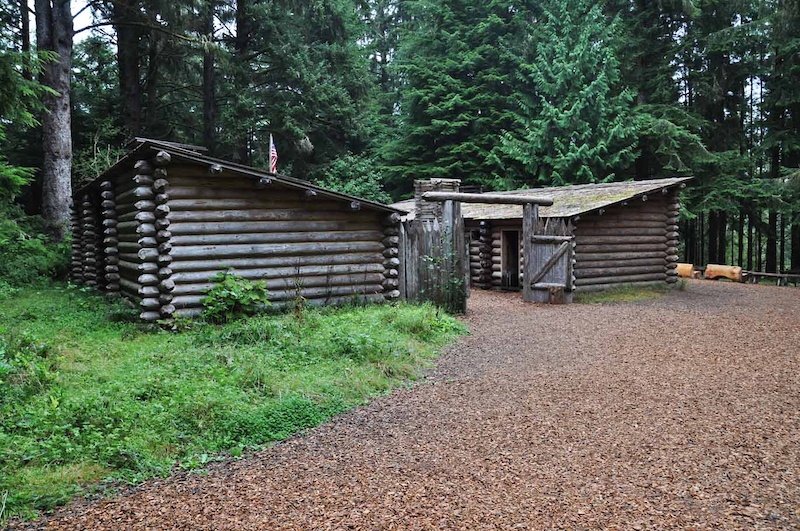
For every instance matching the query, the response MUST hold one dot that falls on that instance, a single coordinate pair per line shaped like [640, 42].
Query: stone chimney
[432, 209]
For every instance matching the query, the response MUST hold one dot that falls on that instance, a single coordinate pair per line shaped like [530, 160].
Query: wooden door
[552, 259]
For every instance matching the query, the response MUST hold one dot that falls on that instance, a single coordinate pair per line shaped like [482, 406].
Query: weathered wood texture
[311, 247]
[548, 252]
[636, 242]
[435, 264]
[624, 244]
[159, 231]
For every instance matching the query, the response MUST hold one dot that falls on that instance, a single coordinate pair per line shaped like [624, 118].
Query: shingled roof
[568, 201]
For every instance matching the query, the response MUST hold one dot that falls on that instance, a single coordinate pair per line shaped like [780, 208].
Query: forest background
[365, 96]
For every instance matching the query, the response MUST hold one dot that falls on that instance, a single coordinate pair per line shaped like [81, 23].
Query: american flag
[273, 156]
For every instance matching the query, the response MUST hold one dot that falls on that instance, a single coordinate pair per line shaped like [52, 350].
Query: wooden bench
[781, 279]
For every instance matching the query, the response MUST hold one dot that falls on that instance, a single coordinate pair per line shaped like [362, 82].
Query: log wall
[634, 243]
[158, 232]
[301, 244]
[622, 245]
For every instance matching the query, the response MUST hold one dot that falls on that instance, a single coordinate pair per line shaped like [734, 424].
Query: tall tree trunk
[126, 12]
[54, 33]
[750, 237]
[153, 126]
[795, 247]
[241, 46]
[772, 243]
[722, 233]
[209, 81]
[740, 242]
[25, 35]
[713, 237]
[782, 257]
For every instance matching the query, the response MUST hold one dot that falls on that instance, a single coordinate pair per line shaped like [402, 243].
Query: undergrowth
[625, 293]
[89, 399]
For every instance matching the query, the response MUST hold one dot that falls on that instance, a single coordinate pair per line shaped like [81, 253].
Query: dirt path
[682, 412]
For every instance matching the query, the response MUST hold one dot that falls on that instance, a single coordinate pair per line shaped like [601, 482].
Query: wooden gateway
[163, 221]
[623, 233]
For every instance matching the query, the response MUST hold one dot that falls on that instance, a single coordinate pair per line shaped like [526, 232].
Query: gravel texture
[681, 412]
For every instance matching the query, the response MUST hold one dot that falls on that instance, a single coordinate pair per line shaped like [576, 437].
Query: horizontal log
[165, 298]
[390, 252]
[598, 240]
[161, 199]
[143, 166]
[604, 264]
[149, 292]
[278, 249]
[129, 285]
[283, 212]
[138, 268]
[147, 241]
[622, 248]
[162, 158]
[166, 286]
[148, 280]
[161, 211]
[252, 202]
[280, 237]
[489, 198]
[148, 254]
[618, 271]
[621, 279]
[162, 223]
[282, 272]
[624, 216]
[595, 231]
[128, 247]
[160, 185]
[354, 292]
[145, 229]
[344, 258]
[165, 272]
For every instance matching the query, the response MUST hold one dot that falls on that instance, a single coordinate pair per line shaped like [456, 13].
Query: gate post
[530, 213]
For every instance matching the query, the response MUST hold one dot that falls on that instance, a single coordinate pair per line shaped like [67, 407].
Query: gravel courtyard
[681, 412]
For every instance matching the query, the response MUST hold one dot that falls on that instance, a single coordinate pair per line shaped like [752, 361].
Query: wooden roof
[145, 147]
[568, 201]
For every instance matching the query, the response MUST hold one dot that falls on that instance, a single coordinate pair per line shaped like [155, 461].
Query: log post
[141, 199]
[485, 254]
[162, 236]
[76, 256]
[110, 237]
[673, 211]
[90, 242]
[530, 214]
[391, 244]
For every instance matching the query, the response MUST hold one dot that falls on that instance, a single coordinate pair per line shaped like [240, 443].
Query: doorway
[510, 259]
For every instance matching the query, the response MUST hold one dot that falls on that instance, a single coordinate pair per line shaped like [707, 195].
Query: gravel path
[681, 412]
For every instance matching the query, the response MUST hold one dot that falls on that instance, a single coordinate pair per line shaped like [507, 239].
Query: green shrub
[233, 297]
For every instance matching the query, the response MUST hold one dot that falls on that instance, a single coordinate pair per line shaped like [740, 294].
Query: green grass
[626, 293]
[88, 399]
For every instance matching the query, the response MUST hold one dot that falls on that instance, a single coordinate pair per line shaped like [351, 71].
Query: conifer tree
[575, 122]
[458, 96]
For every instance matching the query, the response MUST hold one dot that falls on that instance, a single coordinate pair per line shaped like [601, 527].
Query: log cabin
[159, 224]
[625, 232]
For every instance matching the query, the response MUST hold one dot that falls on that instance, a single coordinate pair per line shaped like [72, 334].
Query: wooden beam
[498, 199]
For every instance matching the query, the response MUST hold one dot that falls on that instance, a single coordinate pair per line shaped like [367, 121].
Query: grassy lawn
[89, 398]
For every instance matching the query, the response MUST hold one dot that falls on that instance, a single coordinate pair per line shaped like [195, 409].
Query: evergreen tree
[458, 69]
[575, 123]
